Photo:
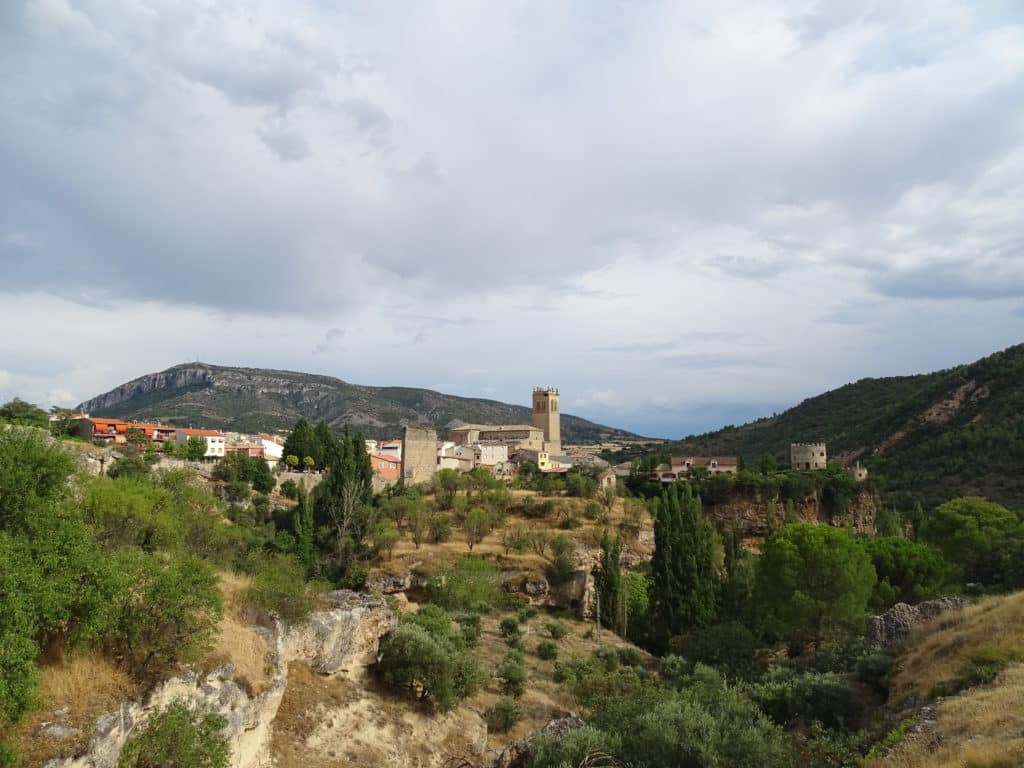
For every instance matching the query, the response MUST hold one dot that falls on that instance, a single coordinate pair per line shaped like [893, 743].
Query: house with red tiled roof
[387, 467]
[216, 442]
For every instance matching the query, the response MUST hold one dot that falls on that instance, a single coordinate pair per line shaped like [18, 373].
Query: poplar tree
[608, 581]
[683, 573]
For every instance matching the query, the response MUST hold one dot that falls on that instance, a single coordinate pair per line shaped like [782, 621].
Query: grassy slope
[984, 725]
[930, 437]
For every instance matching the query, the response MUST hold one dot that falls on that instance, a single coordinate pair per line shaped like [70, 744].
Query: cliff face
[254, 399]
[751, 515]
[342, 640]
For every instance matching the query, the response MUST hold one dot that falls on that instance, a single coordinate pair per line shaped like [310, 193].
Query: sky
[683, 215]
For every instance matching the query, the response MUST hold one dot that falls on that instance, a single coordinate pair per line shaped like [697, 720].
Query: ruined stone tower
[419, 454]
[546, 416]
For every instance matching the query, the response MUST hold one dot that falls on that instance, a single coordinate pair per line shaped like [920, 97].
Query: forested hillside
[925, 438]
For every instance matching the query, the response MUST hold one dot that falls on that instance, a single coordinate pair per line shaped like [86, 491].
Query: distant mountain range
[925, 438]
[256, 399]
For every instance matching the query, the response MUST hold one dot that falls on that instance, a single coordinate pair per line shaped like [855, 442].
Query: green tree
[970, 532]
[23, 414]
[302, 441]
[812, 581]
[34, 471]
[433, 666]
[447, 482]
[302, 525]
[477, 525]
[683, 573]
[178, 737]
[292, 461]
[385, 536]
[196, 448]
[907, 571]
[608, 583]
[344, 497]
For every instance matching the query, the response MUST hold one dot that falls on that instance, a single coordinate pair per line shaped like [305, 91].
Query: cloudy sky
[682, 214]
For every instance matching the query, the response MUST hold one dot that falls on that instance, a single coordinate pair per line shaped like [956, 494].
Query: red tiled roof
[201, 432]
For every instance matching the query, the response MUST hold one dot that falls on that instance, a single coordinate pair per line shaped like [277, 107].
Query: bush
[556, 629]
[509, 628]
[547, 650]
[472, 585]
[469, 626]
[238, 490]
[560, 571]
[593, 511]
[526, 612]
[178, 736]
[875, 670]
[983, 665]
[280, 586]
[512, 672]
[504, 714]
[630, 656]
[290, 490]
[826, 697]
[729, 647]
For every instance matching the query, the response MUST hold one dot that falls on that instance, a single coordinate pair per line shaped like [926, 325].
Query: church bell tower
[546, 416]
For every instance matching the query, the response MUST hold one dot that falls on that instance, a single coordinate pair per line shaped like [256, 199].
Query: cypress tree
[302, 522]
[608, 581]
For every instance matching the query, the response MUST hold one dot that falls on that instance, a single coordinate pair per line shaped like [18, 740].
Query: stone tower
[419, 454]
[546, 416]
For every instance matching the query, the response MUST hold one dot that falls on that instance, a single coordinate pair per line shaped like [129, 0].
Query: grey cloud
[950, 282]
[289, 146]
[368, 118]
[331, 337]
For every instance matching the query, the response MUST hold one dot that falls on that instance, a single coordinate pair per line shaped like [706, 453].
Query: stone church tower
[546, 416]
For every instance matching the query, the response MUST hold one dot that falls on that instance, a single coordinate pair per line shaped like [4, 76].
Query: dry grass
[238, 641]
[431, 557]
[937, 658]
[305, 701]
[982, 728]
[88, 686]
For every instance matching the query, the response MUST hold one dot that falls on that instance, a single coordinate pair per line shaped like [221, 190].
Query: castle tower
[546, 416]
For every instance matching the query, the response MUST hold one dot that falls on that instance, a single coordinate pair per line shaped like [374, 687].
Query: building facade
[808, 456]
[216, 442]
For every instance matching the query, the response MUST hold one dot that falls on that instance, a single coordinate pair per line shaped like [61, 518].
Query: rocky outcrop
[179, 377]
[340, 640]
[751, 515]
[895, 624]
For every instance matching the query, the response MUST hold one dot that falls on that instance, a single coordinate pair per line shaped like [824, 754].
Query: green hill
[256, 399]
[929, 437]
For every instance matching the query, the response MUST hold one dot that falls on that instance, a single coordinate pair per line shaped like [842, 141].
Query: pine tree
[302, 441]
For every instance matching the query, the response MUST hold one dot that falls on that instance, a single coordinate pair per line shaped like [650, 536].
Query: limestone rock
[896, 623]
[517, 752]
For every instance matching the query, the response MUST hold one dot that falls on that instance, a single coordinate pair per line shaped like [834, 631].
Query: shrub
[875, 670]
[469, 626]
[178, 736]
[556, 629]
[547, 650]
[982, 666]
[238, 490]
[509, 628]
[280, 586]
[560, 571]
[512, 672]
[593, 511]
[504, 714]
[729, 647]
[290, 490]
[826, 697]
[163, 614]
[526, 612]
[630, 656]
[472, 585]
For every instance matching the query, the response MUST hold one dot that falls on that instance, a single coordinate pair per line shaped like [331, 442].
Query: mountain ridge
[267, 399]
[926, 437]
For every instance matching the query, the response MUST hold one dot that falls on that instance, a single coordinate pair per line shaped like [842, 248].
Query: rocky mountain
[256, 399]
[924, 438]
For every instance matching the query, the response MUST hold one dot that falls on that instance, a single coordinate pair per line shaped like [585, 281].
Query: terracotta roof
[201, 432]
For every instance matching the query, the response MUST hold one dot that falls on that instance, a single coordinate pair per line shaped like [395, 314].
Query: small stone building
[808, 456]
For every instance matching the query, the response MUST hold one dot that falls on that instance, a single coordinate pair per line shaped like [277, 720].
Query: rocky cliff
[251, 399]
[340, 641]
[751, 515]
